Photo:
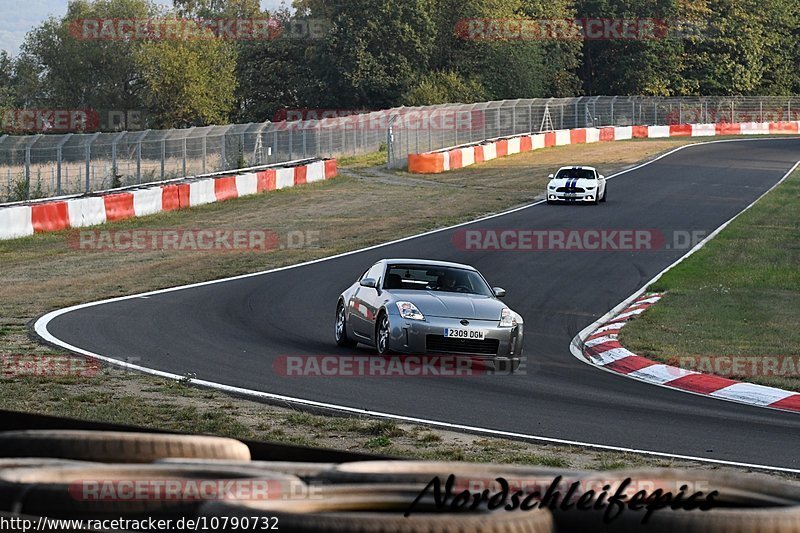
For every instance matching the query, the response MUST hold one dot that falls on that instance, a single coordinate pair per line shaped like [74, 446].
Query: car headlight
[590, 188]
[508, 319]
[410, 311]
[551, 187]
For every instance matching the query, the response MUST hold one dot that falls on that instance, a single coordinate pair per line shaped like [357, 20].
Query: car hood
[581, 182]
[453, 305]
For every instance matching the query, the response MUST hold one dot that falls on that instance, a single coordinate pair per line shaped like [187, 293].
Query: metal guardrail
[35, 166]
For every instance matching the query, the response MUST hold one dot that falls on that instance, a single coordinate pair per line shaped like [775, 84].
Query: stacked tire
[46, 473]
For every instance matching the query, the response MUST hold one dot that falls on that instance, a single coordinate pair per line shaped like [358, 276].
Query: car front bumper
[501, 344]
[588, 196]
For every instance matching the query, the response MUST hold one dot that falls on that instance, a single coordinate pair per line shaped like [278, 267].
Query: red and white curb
[602, 348]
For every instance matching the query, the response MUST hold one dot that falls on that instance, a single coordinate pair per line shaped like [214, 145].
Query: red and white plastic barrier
[602, 348]
[463, 156]
[25, 220]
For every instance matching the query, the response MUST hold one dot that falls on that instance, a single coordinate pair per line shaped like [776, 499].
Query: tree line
[375, 54]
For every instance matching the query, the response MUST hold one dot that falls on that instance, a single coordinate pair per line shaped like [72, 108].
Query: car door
[362, 304]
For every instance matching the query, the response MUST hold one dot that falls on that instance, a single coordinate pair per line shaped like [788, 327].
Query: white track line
[41, 329]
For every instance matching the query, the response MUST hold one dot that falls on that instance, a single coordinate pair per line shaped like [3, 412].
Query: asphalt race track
[232, 332]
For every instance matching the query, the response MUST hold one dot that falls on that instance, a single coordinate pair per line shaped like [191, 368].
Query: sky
[17, 17]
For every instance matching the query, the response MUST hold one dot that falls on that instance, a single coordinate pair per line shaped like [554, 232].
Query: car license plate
[458, 333]
[570, 196]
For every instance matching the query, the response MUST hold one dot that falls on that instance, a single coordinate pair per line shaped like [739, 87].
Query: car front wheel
[341, 328]
[605, 193]
[382, 332]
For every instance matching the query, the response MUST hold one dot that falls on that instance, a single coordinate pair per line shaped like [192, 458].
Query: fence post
[163, 157]
[576, 113]
[139, 158]
[28, 171]
[455, 124]
[89, 162]
[513, 120]
[205, 150]
[59, 157]
[223, 154]
[761, 110]
[391, 160]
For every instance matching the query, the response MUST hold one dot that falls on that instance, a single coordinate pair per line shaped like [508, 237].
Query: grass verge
[732, 308]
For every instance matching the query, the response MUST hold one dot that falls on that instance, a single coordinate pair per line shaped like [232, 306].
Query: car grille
[570, 189]
[440, 343]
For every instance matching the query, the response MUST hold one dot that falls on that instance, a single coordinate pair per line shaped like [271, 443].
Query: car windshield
[575, 173]
[435, 278]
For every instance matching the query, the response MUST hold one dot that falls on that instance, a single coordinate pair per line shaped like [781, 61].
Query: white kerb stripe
[610, 356]
[752, 393]
[659, 373]
[600, 340]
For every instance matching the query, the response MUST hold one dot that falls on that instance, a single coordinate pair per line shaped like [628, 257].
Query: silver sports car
[423, 307]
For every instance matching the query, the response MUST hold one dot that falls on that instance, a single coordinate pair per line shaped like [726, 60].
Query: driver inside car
[450, 281]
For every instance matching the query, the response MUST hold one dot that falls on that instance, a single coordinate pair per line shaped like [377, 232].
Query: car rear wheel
[341, 328]
[382, 332]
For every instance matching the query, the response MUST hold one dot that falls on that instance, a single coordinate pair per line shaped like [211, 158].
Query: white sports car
[576, 184]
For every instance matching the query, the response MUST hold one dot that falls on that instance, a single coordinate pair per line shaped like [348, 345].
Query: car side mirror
[369, 282]
[602, 177]
[499, 292]
[550, 176]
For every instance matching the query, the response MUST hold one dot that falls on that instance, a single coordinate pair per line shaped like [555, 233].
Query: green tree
[71, 71]
[374, 51]
[8, 83]
[180, 87]
[443, 88]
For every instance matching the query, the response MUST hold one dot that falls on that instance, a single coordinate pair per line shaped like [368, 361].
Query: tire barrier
[117, 447]
[368, 496]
